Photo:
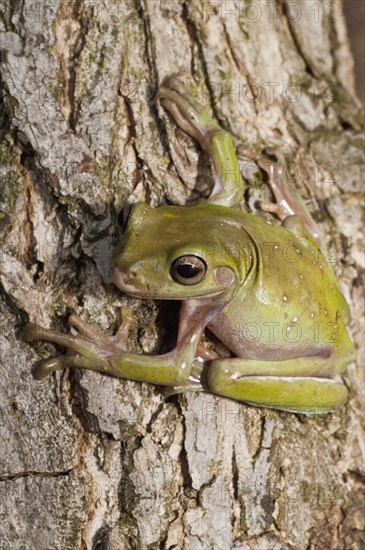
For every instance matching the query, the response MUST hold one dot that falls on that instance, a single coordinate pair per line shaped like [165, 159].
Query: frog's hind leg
[195, 120]
[289, 385]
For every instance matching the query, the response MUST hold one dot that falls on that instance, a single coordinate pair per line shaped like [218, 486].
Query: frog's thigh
[271, 384]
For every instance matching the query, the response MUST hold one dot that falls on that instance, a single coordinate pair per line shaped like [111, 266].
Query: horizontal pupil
[188, 271]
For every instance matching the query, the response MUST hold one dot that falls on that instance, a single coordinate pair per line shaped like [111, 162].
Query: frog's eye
[188, 270]
[124, 215]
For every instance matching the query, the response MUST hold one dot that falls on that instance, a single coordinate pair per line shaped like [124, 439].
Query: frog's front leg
[92, 350]
[288, 201]
[197, 123]
[296, 385]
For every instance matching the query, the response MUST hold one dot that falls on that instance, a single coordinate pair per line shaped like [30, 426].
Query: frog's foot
[192, 117]
[89, 349]
[195, 120]
[273, 208]
[274, 172]
[286, 203]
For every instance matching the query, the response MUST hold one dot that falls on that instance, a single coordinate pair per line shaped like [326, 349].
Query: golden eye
[188, 270]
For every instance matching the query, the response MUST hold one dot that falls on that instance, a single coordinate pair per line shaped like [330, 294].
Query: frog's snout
[124, 280]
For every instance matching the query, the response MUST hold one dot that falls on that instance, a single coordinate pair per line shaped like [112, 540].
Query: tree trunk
[89, 461]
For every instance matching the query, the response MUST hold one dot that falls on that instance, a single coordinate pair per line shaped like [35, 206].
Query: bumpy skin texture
[265, 291]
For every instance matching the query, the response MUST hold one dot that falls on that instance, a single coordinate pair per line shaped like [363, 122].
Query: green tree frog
[264, 290]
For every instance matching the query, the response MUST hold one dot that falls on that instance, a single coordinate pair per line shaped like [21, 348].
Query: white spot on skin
[276, 246]
[312, 315]
[295, 319]
[288, 329]
[300, 276]
[325, 312]
[268, 222]
[285, 298]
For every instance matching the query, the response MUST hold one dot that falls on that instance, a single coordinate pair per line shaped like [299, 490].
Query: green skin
[266, 293]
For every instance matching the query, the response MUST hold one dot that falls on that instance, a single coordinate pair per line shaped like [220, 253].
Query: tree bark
[93, 462]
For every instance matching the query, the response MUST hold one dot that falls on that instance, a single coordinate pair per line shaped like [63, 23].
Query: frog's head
[174, 253]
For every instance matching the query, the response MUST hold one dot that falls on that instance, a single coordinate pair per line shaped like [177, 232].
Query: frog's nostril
[133, 274]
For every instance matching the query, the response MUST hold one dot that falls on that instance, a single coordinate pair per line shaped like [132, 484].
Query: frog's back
[288, 303]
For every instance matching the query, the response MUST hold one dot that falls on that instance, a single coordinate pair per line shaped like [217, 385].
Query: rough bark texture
[88, 461]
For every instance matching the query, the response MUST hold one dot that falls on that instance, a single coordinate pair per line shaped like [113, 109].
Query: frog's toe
[92, 361]
[173, 82]
[34, 332]
[181, 93]
[88, 331]
[190, 115]
[87, 344]
[45, 367]
[273, 208]
[128, 325]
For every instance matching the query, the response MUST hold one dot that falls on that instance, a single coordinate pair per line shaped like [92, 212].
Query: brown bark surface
[92, 462]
